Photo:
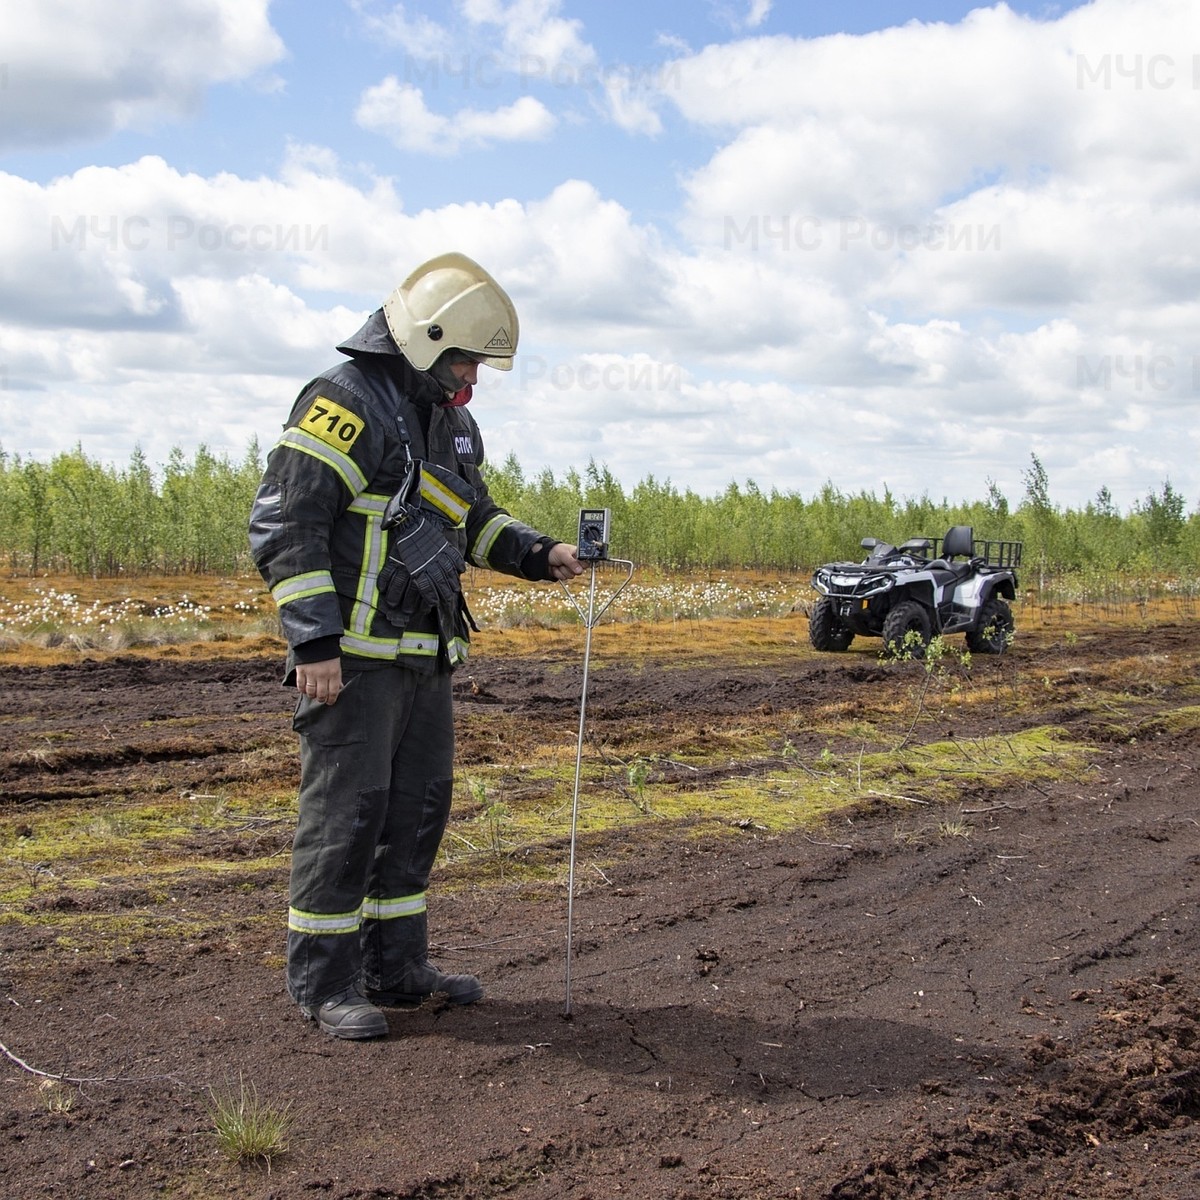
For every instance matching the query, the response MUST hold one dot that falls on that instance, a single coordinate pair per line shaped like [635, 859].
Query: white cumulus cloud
[77, 70]
[910, 258]
[398, 111]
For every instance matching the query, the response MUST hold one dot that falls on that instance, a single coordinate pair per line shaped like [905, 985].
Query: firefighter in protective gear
[370, 507]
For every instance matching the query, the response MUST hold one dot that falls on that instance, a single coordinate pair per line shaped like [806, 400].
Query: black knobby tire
[994, 633]
[906, 619]
[825, 629]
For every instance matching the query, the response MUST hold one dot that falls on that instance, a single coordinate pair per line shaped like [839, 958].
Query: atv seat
[959, 542]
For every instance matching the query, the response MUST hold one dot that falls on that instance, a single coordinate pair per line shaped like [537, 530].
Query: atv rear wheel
[907, 630]
[826, 630]
[994, 633]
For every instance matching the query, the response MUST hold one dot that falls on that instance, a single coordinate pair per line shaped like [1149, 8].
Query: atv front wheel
[825, 629]
[994, 633]
[906, 630]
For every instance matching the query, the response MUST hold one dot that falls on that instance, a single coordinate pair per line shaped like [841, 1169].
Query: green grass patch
[508, 838]
[105, 874]
[136, 855]
[249, 1129]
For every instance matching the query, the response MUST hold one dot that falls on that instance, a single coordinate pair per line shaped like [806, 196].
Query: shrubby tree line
[78, 515]
[75, 514]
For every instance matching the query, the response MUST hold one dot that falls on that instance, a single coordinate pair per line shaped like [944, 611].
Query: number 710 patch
[332, 423]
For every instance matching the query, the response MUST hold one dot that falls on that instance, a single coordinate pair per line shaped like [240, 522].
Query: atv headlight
[877, 585]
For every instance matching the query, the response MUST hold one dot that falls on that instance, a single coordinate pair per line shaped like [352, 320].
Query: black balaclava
[442, 375]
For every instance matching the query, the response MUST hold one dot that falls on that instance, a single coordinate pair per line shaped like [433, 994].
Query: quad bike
[910, 593]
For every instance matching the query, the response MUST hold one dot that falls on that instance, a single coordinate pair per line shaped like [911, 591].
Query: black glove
[453, 625]
[421, 567]
[399, 598]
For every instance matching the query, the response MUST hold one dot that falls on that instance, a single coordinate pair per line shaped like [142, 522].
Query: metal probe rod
[589, 619]
[587, 658]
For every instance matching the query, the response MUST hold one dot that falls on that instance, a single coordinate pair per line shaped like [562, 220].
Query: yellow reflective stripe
[439, 496]
[369, 503]
[306, 922]
[487, 538]
[313, 583]
[365, 647]
[423, 645]
[366, 599]
[419, 643]
[343, 464]
[458, 650]
[381, 909]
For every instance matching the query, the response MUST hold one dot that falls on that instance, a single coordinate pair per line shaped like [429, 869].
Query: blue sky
[332, 53]
[901, 245]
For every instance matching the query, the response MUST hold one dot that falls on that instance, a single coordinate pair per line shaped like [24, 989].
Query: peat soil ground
[888, 1004]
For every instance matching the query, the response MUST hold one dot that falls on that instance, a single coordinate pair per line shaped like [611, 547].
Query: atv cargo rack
[994, 554]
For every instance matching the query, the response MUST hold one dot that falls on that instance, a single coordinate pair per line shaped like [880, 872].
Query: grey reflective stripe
[419, 643]
[442, 497]
[387, 909]
[370, 502]
[487, 538]
[366, 599]
[458, 650]
[369, 647]
[422, 645]
[343, 464]
[298, 587]
[306, 922]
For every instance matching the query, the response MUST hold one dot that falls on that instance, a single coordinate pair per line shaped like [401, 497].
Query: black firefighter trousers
[376, 776]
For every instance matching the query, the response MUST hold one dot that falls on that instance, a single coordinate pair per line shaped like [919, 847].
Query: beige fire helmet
[451, 302]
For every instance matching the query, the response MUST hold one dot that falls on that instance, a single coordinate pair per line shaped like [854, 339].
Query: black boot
[348, 1015]
[412, 977]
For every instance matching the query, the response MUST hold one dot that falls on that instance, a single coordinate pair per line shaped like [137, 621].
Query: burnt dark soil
[865, 1009]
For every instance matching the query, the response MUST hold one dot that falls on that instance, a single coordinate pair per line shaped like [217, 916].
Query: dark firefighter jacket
[316, 525]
